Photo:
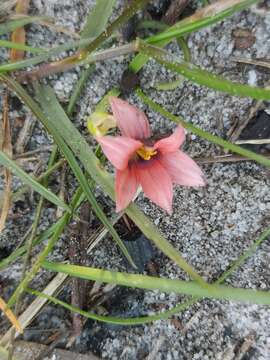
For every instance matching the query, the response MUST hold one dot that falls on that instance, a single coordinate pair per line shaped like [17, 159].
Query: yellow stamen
[146, 152]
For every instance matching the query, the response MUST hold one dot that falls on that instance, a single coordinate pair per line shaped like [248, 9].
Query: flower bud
[99, 123]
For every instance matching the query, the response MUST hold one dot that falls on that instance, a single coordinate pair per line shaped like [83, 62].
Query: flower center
[146, 152]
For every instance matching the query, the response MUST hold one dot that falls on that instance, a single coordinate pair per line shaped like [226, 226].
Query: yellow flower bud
[99, 123]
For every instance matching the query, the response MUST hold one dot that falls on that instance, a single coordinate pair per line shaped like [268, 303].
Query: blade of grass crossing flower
[164, 285]
[91, 164]
[203, 77]
[27, 179]
[202, 133]
[53, 109]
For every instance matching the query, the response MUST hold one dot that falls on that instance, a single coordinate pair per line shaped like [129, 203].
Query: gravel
[211, 226]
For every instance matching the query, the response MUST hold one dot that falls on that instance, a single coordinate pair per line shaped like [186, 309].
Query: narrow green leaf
[168, 86]
[12, 25]
[84, 76]
[18, 46]
[204, 17]
[44, 56]
[98, 18]
[111, 319]
[93, 316]
[91, 164]
[237, 263]
[202, 133]
[164, 285]
[29, 180]
[203, 77]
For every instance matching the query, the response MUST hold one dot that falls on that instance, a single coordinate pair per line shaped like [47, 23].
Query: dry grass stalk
[9, 314]
[18, 35]
[6, 146]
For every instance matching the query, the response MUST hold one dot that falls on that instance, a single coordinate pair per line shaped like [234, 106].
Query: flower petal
[171, 143]
[156, 183]
[182, 169]
[126, 185]
[118, 149]
[131, 121]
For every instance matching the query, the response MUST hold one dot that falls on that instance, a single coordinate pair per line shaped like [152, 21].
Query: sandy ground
[210, 226]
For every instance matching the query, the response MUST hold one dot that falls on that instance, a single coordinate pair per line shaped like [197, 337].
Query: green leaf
[204, 134]
[12, 25]
[29, 180]
[84, 76]
[161, 284]
[203, 77]
[167, 86]
[204, 17]
[93, 316]
[18, 46]
[83, 151]
[44, 56]
[98, 18]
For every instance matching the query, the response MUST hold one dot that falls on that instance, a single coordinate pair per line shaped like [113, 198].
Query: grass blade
[164, 285]
[203, 77]
[30, 181]
[98, 18]
[6, 147]
[12, 25]
[84, 75]
[18, 46]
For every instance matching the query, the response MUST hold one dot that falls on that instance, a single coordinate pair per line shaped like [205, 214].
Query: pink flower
[140, 161]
